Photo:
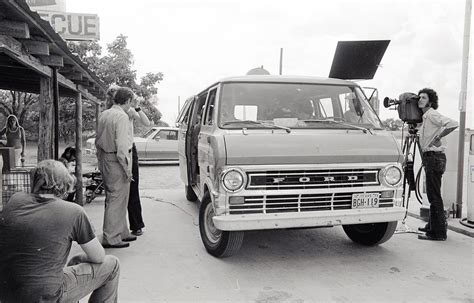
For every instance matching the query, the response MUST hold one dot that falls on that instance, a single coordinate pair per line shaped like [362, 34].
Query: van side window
[210, 107]
[183, 116]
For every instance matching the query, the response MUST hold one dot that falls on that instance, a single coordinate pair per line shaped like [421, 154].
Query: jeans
[100, 279]
[435, 166]
[134, 205]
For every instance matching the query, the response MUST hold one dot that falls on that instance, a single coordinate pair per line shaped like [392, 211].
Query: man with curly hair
[37, 231]
[435, 126]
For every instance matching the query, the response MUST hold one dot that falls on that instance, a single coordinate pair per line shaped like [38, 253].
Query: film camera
[407, 107]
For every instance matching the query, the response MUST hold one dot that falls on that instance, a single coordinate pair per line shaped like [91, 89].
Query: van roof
[287, 79]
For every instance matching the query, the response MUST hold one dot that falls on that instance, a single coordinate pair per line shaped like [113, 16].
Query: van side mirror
[157, 138]
[373, 96]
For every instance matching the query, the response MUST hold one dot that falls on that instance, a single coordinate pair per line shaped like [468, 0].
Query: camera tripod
[411, 144]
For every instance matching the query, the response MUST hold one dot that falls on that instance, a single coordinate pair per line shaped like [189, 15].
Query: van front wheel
[370, 233]
[217, 242]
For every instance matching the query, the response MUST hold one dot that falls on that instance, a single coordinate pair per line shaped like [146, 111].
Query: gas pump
[469, 220]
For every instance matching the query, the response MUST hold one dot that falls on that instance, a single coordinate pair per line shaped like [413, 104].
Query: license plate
[365, 200]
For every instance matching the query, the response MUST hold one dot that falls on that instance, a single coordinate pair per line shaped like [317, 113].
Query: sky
[196, 43]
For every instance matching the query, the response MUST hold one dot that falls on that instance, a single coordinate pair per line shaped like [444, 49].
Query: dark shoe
[137, 232]
[425, 228]
[431, 237]
[118, 245]
[129, 239]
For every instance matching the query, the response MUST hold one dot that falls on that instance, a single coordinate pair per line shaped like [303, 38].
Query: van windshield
[294, 105]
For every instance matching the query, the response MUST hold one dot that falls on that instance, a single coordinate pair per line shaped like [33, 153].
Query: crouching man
[37, 231]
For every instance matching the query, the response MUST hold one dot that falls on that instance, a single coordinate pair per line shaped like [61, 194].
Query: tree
[16, 103]
[117, 68]
[393, 124]
[22, 105]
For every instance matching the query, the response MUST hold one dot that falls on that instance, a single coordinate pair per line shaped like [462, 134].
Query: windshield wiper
[287, 129]
[365, 130]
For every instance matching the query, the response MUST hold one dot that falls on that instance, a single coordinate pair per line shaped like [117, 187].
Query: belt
[130, 150]
[432, 152]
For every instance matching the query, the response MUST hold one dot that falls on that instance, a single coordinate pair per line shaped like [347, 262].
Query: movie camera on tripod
[407, 107]
[410, 113]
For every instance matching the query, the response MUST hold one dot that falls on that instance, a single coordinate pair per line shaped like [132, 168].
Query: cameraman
[434, 127]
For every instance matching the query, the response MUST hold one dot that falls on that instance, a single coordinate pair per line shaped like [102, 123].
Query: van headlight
[391, 175]
[233, 179]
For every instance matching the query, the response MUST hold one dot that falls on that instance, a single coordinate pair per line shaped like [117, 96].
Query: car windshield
[295, 105]
[148, 133]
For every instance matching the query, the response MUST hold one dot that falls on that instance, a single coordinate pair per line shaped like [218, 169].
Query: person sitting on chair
[68, 158]
[37, 231]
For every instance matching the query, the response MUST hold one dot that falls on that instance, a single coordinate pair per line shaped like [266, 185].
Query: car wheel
[190, 195]
[371, 233]
[217, 242]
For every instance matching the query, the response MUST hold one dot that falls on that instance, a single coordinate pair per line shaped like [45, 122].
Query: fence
[15, 180]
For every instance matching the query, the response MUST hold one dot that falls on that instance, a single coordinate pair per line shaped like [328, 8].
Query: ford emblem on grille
[304, 179]
[278, 180]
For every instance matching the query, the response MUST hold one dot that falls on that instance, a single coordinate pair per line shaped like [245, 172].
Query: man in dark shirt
[37, 231]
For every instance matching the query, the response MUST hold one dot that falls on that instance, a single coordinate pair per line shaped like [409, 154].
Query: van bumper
[307, 219]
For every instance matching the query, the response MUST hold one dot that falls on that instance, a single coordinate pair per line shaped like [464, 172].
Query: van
[275, 152]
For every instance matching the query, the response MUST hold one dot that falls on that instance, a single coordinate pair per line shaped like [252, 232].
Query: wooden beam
[67, 68]
[84, 82]
[52, 60]
[45, 131]
[85, 94]
[27, 61]
[11, 43]
[79, 197]
[66, 83]
[73, 75]
[36, 47]
[14, 29]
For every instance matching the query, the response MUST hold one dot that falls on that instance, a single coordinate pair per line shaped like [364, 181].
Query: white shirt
[433, 124]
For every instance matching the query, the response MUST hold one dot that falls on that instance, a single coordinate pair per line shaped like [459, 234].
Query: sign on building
[72, 26]
[40, 2]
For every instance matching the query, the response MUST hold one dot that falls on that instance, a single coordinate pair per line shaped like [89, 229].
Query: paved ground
[169, 263]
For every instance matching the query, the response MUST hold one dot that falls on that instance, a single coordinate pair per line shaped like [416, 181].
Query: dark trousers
[134, 205]
[435, 166]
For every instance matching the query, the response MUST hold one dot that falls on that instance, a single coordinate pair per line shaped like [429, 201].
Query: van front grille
[305, 179]
[268, 204]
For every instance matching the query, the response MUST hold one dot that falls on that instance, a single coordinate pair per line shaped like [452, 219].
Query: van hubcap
[212, 233]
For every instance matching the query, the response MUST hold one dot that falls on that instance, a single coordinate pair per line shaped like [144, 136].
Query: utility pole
[179, 104]
[281, 60]
[462, 106]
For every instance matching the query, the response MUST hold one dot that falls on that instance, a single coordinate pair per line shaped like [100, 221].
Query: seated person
[351, 115]
[68, 158]
[37, 231]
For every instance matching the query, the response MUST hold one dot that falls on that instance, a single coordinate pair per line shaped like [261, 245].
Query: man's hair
[69, 154]
[122, 95]
[432, 95]
[110, 95]
[51, 176]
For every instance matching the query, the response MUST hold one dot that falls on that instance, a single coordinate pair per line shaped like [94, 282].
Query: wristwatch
[137, 109]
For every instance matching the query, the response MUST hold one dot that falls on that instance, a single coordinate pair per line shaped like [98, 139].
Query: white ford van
[275, 152]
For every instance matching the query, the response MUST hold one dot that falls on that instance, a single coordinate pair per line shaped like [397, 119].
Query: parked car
[158, 144]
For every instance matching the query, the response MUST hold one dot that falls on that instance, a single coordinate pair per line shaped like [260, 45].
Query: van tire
[217, 242]
[370, 234]
[190, 195]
